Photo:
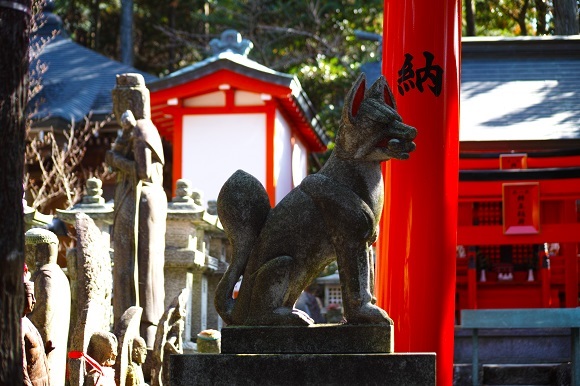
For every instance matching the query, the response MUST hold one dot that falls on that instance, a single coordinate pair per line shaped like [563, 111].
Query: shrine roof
[232, 57]
[226, 59]
[520, 89]
[523, 89]
[77, 81]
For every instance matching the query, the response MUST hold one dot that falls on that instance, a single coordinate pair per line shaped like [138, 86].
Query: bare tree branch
[62, 175]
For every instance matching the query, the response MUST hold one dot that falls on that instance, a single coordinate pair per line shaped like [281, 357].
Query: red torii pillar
[416, 247]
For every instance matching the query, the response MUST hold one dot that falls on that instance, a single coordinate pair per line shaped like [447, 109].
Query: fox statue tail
[243, 206]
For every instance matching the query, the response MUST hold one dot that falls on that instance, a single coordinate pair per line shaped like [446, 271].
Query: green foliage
[513, 17]
[96, 24]
[312, 39]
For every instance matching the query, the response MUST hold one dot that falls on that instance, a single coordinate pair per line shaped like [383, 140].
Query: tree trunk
[521, 18]
[96, 25]
[542, 11]
[566, 17]
[14, 40]
[127, 32]
[172, 7]
[470, 17]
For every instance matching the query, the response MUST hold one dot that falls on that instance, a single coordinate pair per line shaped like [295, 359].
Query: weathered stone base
[316, 339]
[303, 369]
[331, 354]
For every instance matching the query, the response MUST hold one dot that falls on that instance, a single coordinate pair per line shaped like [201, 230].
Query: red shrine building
[519, 179]
[228, 112]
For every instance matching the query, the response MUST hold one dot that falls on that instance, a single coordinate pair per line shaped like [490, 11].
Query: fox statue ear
[380, 90]
[355, 97]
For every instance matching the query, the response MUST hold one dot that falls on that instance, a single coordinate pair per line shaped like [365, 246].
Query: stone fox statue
[333, 214]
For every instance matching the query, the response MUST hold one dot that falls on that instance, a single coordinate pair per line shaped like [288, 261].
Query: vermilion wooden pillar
[571, 257]
[416, 250]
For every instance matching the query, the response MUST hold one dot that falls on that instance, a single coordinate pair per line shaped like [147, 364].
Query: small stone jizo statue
[52, 290]
[35, 361]
[103, 349]
[138, 355]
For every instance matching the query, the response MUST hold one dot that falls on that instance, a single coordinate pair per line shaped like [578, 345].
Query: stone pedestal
[316, 355]
[316, 339]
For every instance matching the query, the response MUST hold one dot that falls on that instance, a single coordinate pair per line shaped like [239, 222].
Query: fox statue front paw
[282, 316]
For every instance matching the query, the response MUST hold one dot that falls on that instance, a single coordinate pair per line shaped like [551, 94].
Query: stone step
[533, 374]
[514, 346]
[554, 374]
[407, 369]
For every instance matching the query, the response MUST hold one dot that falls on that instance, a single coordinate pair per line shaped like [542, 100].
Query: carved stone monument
[35, 362]
[140, 206]
[94, 206]
[94, 286]
[333, 214]
[278, 251]
[52, 313]
[126, 331]
[169, 339]
[183, 261]
[195, 258]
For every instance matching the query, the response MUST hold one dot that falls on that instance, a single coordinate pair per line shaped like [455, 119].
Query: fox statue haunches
[333, 214]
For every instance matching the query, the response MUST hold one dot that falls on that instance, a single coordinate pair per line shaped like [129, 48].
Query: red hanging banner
[521, 208]
[416, 249]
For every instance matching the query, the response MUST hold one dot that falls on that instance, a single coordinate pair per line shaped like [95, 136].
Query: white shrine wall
[290, 158]
[282, 157]
[299, 162]
[215, 146]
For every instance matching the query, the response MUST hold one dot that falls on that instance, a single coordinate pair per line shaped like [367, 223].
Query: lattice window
[487, 213]
[517, 257]
[522, 254]
[332, 294]
[492, 253]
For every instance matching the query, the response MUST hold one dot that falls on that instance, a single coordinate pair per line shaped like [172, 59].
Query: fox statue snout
[332, 215]
[371, 129]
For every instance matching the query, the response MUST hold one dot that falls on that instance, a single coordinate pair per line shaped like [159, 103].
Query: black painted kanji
[431, 75]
